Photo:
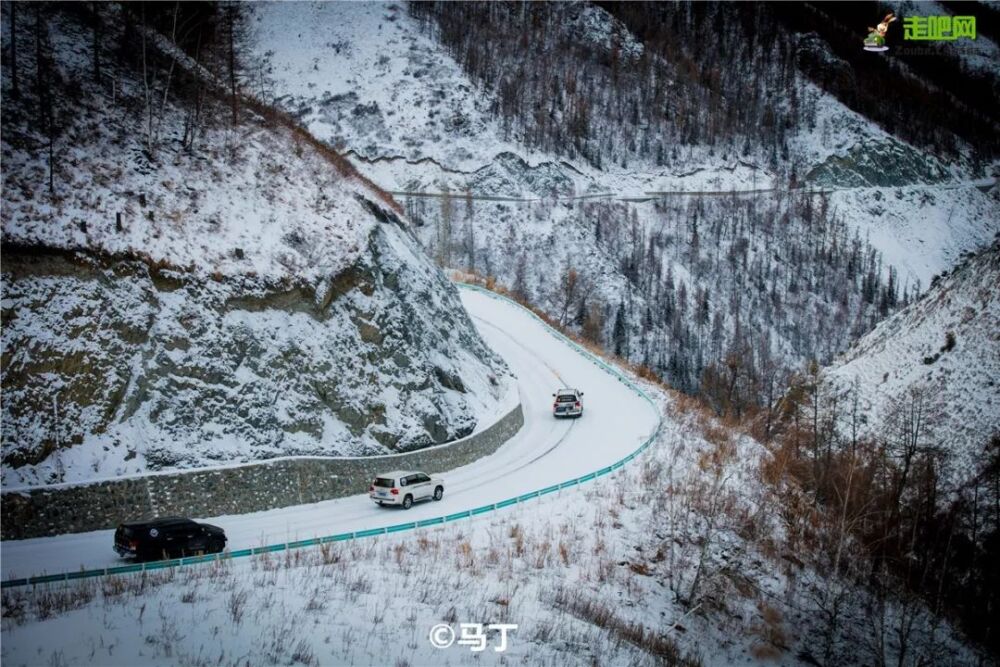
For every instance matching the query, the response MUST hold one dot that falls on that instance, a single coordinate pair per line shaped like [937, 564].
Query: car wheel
[407, 502]
[439, 493]
[217, 547]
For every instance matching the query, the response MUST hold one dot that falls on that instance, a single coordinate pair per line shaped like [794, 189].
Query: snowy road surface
[545, 451]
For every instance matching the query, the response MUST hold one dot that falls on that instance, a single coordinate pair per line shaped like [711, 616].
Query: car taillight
[371, 489]
[578, 404]
[555, 405]
[133, 545]
[395, 492]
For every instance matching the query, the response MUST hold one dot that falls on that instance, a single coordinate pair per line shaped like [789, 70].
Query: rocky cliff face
[114, 364]
[188, 283]
[885, 163]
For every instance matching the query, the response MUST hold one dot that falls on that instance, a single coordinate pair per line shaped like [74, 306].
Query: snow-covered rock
[234, 299]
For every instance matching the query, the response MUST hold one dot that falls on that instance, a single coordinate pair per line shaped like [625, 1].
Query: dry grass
[564, 553]
[517, 534]
[640, 568]
[773, 640]
[601, 615]
[236, 605]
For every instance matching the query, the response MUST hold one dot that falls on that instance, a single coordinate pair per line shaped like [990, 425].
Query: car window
[179, 529]
[384, 482]
[422, 478]
[566, 398]
[403, 481]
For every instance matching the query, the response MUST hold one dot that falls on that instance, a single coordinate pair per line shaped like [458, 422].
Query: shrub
[949, 342]
[236, 605]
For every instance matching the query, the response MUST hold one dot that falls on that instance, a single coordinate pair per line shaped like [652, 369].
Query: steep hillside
[422, 111]
[189, 282]
[940, 355]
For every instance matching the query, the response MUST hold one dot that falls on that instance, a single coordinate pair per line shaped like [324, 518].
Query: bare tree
[170, 74]
[95, 12]
[14, 90]
[567, 294]
[909, 418]
[444, 229]
[470, 232]
[232, 17]
[706, 502]
[147, 85]
[43, 87]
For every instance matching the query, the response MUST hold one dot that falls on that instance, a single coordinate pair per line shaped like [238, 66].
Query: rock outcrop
[114, 364]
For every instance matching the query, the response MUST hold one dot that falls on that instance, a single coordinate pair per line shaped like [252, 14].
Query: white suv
[568, 403]
[405, 487]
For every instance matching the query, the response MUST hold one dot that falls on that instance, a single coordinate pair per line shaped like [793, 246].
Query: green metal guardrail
[243, 553]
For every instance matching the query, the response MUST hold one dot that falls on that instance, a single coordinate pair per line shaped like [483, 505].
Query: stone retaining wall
[237, 490]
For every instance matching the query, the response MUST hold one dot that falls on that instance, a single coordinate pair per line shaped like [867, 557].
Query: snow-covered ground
[921, 230]
[680, 556]
[365, 75]
[546, 451]
[941, 356]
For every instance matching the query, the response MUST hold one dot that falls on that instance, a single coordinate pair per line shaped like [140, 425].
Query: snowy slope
[256, 300]
[591, 574]
[922, 231]
[365, 75]
[370, 78]
[947, 346]
[362, 74]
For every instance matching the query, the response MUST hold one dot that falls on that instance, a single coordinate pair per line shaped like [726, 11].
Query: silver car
[568, 403]
[405, 487]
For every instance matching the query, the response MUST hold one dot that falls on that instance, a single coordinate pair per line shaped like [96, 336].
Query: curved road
[545, 451]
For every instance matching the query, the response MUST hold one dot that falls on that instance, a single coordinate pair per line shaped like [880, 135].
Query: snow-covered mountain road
[983, 185]
[545, 451]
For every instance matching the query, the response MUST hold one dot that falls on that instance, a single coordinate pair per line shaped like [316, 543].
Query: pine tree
[619, 337]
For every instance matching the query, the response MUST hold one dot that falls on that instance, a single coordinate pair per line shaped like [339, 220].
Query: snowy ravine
[372, 79]
[367, 76]
[233, 299]
[941, 357]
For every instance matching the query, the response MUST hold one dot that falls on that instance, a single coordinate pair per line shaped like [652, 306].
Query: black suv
[169, 537]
